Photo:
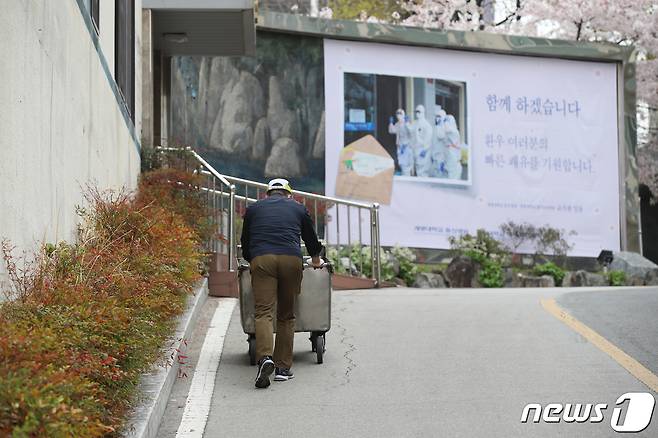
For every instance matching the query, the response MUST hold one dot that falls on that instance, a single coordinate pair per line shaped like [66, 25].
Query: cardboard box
[365, 172]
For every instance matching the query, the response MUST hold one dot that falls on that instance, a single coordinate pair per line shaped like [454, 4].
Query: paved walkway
[428, 363]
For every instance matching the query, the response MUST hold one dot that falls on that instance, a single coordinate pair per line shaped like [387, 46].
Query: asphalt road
[430, 363]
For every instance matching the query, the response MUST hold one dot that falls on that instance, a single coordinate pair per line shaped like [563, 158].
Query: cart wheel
[252, 349]
[319, 347]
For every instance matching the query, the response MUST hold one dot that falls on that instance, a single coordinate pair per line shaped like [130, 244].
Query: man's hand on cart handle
[317, 262]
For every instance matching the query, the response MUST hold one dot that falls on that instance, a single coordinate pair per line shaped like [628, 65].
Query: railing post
[377, 267]
[372, 243]
[232, 246]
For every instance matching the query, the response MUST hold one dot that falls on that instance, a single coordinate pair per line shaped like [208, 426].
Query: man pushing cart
[271, 244]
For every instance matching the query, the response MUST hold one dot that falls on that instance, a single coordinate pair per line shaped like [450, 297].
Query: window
[125, 52]
[93, 7]
[95, 14]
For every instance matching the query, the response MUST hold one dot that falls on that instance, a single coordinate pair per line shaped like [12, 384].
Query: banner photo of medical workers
[448, 142]
[421, 122]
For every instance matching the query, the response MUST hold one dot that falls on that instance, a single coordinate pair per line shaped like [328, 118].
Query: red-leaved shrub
[89, 317]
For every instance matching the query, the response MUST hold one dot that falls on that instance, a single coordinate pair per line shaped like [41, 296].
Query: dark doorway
[391, 95]
[649, 214]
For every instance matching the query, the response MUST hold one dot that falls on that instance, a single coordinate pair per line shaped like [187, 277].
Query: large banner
[475, 140]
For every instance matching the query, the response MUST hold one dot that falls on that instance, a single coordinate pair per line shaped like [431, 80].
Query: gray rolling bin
[312, 307]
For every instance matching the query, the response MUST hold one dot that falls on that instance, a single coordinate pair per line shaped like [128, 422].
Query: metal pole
[208, 206]
[214, 215]
[315, 215]
[232, 246]
[360, 244]
[373, 224]
[349, 228]
[325, 225]
[221, 217]
[378, 270]
[337, 228]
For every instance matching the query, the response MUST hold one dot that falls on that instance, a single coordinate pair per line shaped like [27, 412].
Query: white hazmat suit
[403, 139]
[422, 131]
[439, 144]
[452, 154]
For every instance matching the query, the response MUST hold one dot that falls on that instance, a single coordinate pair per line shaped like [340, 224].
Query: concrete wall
[107, 30]
[61, 124]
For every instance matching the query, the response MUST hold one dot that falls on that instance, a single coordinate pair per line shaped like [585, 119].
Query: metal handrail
[218, 215]
[301, 193]
[217, 197]
[211, 170]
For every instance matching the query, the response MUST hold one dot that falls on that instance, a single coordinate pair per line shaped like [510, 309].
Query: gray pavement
[425, 363]
[627, 317]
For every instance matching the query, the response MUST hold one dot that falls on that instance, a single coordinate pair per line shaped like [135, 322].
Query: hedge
[85, 319]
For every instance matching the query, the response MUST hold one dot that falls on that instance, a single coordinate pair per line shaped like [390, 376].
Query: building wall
[107, 30]
[61, 124]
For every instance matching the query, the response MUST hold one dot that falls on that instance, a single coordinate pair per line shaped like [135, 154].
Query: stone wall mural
[255, 117]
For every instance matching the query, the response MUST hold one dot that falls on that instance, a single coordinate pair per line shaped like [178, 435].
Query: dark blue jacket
[274, 225]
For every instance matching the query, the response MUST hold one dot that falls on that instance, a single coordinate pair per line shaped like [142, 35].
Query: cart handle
[243, 265]
[327, 265]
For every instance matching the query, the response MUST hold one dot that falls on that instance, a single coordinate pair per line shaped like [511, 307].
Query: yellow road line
[632, 366]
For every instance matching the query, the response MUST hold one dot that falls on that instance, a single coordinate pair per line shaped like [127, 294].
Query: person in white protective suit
[439, 140]
[453, 150]
[402, 129]
[422, 143]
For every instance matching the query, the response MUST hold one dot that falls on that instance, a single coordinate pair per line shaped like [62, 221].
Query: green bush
[485, 250]
[491, 273]
[617, 278]
[361, 258]
[551, 269]
[479, 247]
[406, 259]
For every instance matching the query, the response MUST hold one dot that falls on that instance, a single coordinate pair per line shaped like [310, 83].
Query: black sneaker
[283, 374]
[265, 368]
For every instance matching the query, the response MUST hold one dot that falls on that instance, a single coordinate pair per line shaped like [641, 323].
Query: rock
[651, 279]
[462, 272]
[399, 282]
[240, 106]
[583, 278]
[283, 121]
[511, 278]
[429, 280]
[262, 141]
[633, 264]
[215, 75]
[284, 160]
[535, 281]
[318, 144]
[348, 266]
[313, 92]
[635, 280]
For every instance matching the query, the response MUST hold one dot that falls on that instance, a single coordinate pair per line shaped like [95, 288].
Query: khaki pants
[275, 280]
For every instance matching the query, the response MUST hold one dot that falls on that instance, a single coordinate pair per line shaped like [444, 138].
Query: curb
[155, 386]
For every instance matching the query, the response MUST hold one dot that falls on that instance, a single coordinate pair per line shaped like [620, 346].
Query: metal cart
[312, 307]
